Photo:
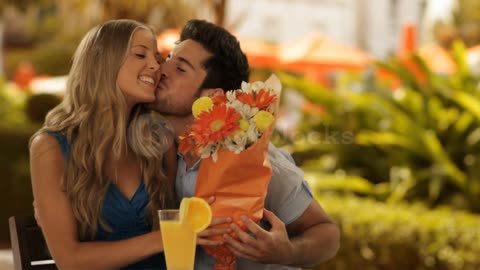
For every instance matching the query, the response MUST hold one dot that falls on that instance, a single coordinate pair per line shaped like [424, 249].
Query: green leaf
[310, 90]
[389, 139]
[322, 182]
[439, 155]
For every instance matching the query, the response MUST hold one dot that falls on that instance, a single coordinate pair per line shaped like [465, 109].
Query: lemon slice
[196, 212]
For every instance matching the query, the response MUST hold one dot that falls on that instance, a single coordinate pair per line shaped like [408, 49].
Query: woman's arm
[58, 223]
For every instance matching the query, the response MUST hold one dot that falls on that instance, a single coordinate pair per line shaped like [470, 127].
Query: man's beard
[164, 106]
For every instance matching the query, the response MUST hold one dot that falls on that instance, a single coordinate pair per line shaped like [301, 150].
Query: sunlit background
[381, 109]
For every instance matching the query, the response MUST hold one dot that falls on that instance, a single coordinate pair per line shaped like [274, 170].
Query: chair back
[30, 251]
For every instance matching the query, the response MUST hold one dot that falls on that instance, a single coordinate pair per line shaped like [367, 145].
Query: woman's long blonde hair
[92, 117]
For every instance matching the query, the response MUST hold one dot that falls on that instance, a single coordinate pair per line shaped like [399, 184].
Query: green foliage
[11, 105]
[418, 142]
[376, 235]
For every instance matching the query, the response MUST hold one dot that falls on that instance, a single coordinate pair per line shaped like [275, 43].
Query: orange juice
[179, 242]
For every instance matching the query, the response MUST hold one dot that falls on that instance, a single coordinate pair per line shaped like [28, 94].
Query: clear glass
[179, 240]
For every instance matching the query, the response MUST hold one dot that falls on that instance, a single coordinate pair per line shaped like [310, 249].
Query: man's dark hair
[228, 66]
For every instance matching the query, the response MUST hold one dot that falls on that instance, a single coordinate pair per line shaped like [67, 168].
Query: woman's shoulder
[44, 143]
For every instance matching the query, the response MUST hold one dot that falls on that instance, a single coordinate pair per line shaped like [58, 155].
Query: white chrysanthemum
[231, 96]
[210, 150]
[256, 86]
[245, 87]
[237, 142]
[245, 110]
[252, 133]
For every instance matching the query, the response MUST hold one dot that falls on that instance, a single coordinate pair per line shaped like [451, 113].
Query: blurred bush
[53, 59]
[466, 18]
[376, 235]
[16, 198]
[37, 106]
[420, 141]
[15, 132]
[11, 105]
[47, 59]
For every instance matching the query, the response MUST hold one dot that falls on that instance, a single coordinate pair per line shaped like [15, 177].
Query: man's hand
[202, 236]
[259, 245]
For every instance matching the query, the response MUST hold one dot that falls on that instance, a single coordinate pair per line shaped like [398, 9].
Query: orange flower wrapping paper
[231, 133]
[239, 183]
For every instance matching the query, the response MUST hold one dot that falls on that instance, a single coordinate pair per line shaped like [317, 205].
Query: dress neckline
[139, 188]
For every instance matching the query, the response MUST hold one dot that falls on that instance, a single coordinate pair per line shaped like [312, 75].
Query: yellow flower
[239, 133]
[243, 124]
[200, 105]
[263, 120]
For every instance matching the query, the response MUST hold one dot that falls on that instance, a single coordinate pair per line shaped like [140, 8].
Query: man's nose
[164, 70]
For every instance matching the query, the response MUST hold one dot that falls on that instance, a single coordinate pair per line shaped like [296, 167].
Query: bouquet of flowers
[231, 133]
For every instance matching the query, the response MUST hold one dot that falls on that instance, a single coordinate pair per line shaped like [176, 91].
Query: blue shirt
[288, 196]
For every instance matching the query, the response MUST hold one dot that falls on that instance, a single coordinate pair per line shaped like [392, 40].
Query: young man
[207, 60]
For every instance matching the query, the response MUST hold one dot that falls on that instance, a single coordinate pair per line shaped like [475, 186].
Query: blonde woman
[102, 164]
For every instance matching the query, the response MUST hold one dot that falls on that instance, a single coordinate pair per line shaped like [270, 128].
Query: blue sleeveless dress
[125, 218]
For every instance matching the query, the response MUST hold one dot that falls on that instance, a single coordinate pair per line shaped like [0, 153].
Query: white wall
[374, 25]
[283, 20]
[386, 20]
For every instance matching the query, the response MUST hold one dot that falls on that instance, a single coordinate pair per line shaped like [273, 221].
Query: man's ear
[211, 92]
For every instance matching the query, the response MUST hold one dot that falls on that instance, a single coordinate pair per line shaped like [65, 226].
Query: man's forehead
[191, 50]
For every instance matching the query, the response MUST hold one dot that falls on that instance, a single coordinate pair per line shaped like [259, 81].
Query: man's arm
[315, 239]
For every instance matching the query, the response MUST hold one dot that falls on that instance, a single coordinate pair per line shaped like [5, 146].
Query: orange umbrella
[319, 52]
[260, 53]
[318, 56]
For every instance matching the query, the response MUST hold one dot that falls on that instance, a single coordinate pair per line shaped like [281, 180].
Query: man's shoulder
[282, 163]
[276, 153]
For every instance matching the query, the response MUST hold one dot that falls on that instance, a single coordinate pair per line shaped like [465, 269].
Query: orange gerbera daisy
[218, 99]
[215, 125]
[187, 143]
[261, 99]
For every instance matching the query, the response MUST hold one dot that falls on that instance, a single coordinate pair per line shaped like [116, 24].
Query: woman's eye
[139, 55]
[180, 69]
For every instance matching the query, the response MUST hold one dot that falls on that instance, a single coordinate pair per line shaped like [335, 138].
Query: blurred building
[373, 25]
